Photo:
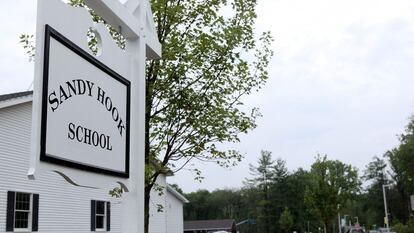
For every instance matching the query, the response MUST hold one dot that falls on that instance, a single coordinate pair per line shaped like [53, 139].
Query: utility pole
[339, 222]
[385, 207]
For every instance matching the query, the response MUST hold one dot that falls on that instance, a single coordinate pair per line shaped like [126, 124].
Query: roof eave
[16, 101]
[178, 195]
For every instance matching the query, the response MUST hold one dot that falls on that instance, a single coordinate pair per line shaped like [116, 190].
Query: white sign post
[89, 111]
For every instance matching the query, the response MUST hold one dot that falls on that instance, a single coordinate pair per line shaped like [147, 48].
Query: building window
[100, 216]
[22, 211]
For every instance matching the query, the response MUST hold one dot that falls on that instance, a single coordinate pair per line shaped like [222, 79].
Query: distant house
[49, 203]
[207, 226]
[166, 209]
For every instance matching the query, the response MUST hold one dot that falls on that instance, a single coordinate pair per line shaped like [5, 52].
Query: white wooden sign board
[85, 110]
[64, 72]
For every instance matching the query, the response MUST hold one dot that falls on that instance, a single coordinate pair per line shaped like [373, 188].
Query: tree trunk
[146, 208]
[147, 189]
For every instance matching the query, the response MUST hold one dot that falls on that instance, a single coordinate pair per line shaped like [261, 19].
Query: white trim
[118, 16]
[176, 194]
[16, 101]
[124, 17]
[22, 230]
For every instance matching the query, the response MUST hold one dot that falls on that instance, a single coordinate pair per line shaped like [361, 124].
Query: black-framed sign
[85, 110]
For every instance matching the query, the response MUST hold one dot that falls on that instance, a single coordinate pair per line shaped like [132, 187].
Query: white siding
[157, 221]
[62, 207]
[175, 216]
[170, 220]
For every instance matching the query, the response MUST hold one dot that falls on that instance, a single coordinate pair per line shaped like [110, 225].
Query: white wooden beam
[154, 50]
[125, 17]
[117, 15]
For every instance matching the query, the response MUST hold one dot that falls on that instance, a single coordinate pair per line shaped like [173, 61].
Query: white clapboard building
[50, 203]
[170, 219]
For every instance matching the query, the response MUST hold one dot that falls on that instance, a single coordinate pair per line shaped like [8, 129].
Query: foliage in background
[334, 184]
[267, 193]
[402, 163]
[262, 178]
[286, 220]
[285, 190]
[372, 200]
[401, 228]
[321, 183]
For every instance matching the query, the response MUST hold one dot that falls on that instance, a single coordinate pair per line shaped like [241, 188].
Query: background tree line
[280, 200]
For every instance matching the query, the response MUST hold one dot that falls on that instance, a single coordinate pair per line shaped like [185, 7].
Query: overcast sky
[341, 82]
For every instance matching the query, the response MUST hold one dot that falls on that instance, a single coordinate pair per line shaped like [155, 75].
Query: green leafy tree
[280, 171]
[198, 208]
[401, 228]
[285, 190]
[193, 95]
[277, 192]
[334, 184]
[401, 161]
[227, 203]
[251, 208]
[291, 193]
[219, 204]
[262, 174]
[286, 220]
[372, 200]
[262, 178]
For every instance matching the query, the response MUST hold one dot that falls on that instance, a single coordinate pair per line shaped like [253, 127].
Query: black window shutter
[93, 215]
[35, 215]
[11, 196]
[108, 216]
